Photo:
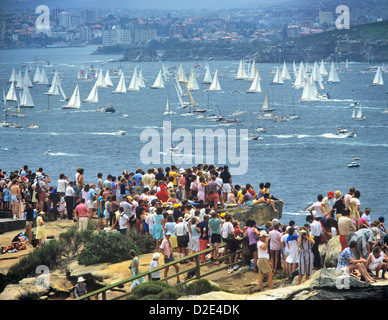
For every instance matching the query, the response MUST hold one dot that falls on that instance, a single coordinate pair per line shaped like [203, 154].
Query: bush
[154, 290]
[72, 241]
[110, 247]
[199, 287]
[144, 242]
[29, 296]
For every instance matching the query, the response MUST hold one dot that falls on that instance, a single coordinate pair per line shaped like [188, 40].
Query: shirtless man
[16, 196]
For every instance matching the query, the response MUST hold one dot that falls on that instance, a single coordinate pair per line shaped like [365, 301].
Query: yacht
[353, 164]
[346, 133]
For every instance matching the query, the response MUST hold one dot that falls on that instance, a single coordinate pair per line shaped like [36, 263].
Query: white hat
[156, 256]
[80, 279]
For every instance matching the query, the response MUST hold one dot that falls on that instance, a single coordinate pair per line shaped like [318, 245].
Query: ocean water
[301, 158]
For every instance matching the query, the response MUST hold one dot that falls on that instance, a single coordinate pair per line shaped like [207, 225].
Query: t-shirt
[274, 237]
[82, 210]
[247, 197]
[173, 174]
[215, 225]
[261, 253]
[123, 221]
[166, 245]
[225, 176]
[138, 177]
[367, 218]
[318, 210]
[203, 235]
[326, 204]
[316, 229]
[227, 228]
[61, 185]
[344, 226]
[339, 206]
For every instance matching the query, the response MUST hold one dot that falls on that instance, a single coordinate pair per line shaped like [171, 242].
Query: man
[349, 197]
[182, 233]
[338, 208]
[345, 228]
[364, 237]
[128, 211]
[326, 201]
[367, 217]
[81, 214]
[166, 250]
[347, 262]
[319, 208]
[226, 182]
[215, 224]
[99, 186]
[316, 232]
[138, 177]
[203, 229]
[16, 198]
[263, 263]
[123, 221]
[69, 198]
[40, 191]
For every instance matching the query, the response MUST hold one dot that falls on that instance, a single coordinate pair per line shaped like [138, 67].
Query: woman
[252, 234]
[292, 244]
[135, 269]
[169, 227]
[306, 256]
[40, 230]
[157, 230]
[201, 189]
[231, 199]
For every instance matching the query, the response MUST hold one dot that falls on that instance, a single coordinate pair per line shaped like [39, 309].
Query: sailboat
[55, 89]
[107, 80]
[293, 115]
[253, 135]
[357, 114]
[101, 80]
[215, 85]
[333, 75]
[27, 80]
[12, 78]
[192, 84]
[241, 72]
[278, 77]
[134, 85]
[181, 75]
[208, 77]
[378, 79]
[267, 112]
[285, 72]
[43, 78]
[121, 88]
[168, 110]
[299, 80]
[252, 71]
[141, 79]
[93, 95]
[322, 69]
[255, 86]
[11, 94]
[158, 83]
[281, 119]
[309, 91]
[75, 100]
[26, 99]
[37, 75]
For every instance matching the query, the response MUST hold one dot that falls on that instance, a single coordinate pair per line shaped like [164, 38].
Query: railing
[197, 268]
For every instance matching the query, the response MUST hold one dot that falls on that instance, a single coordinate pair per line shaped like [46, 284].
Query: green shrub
[29, 296]
[106, 247]
[199, 287]
[144, 242]
[72, 241]
[154, 290]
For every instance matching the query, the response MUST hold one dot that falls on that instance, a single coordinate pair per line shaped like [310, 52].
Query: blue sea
[301, 158]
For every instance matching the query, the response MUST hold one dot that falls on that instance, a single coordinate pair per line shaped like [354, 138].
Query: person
[366, 216]
[135, 269]
[123, 221]
[166, 249]
[62, 207]
[215, 224]
[318, 207]
[349, 197]
[155, 276]
[128, 206]
[80, 289]
[90, 200]
[203, 229]
[338, 207]
[364, 239]
[306, 256]
[284, 248]
[81, 214]
[227, 235]
[182, 234]
[40, 230]
[316, 232]
[227, 184]
[157, 229]
[263, 264]
[292, 245]
[29, 219]
[69, 198]
[16, 197]
[377, 261]
[266, 199]
[326, 202]
[347, 262]
[213, 195]
[345, 228]
[274, 237]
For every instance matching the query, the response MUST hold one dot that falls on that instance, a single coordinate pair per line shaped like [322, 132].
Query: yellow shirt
[173, 174]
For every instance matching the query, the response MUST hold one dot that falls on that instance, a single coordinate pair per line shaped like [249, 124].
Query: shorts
[216, 238]
[182, 241]
[170, 259]
[213, 197]
[14, 198]
[29, 223]
[226, 188]
[90, 204]
[106, 214]
[263, 266]
[253, 248]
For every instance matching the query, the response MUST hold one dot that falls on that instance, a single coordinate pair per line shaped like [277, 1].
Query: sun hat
[80, 279]
[156, 256]
[263, 234]
[41, 213]
[187, 216]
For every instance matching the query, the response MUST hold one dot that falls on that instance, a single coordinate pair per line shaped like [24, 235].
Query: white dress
[293, 256]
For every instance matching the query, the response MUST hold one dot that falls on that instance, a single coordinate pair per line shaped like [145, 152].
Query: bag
[38, 189]
[230, 237]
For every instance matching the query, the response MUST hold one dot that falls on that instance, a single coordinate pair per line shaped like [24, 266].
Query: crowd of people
[183, 210]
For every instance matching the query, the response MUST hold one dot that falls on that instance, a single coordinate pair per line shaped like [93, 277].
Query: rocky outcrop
[261, 213]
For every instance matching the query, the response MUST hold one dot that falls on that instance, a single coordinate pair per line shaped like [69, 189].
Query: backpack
[38, 189]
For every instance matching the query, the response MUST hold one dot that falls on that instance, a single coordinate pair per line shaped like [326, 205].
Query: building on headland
[116, 35]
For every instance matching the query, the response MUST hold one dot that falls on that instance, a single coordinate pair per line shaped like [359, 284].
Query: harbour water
[301, 158]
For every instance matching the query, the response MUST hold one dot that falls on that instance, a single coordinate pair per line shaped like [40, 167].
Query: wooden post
[197, 265]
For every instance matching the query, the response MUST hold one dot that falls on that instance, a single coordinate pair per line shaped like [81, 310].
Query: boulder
[333, 250]
[261, 213]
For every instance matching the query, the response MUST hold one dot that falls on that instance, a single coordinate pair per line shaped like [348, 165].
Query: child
[6, 193]
[154, 264]
[62, 207]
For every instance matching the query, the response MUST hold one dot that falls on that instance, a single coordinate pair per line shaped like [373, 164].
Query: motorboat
[121, 132]
[4, 149]
[110, 108]
[238, 112]
[353, 164]
[355, 158]
[346, 133]
[16, 125]
[48, 152]
[5, 124]
[32, 126]
[260, 129]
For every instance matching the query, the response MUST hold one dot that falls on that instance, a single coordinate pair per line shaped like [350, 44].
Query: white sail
[299, 80]
[165, 73]
[134, 85]
[322, 69]
[141, 79]
[107, 80]
[12, 78]
[168, 107]
[19, 80]
[43, 78]
[192, 84]
[285, 72]
[11, 94]
[121, 88]
[241, 72]
[75, 100]
[215, 85]
[278, 78]
[207, 79]
[27, 80]
[255, 86]
[56, 87]
[357, 114]
[252, 71]
[158, 83]
[181, 75]
[309, 91]
[378, 79]
[100, 80]
[37, 75]
[294, 70]
[93, 95]
[179, 96]
[333, 75]
[26, 100]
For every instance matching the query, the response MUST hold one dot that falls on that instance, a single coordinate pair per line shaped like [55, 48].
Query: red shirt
[82, 210]
[162, 195]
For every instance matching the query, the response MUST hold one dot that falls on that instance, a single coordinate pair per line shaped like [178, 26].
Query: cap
[381, 219]
[223, 214]
[168, 233]
[331, 194]
[367, 209]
